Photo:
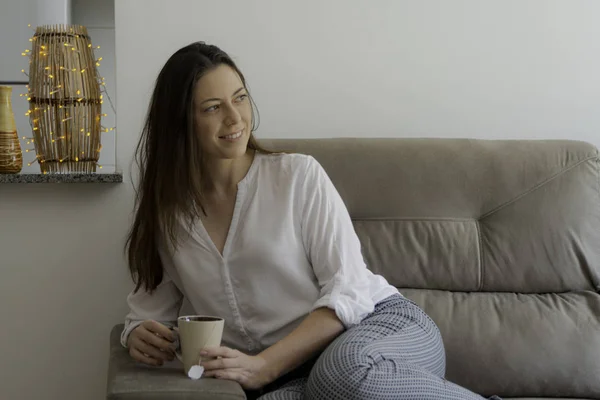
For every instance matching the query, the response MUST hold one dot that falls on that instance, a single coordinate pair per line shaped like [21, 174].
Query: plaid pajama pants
[395, 353]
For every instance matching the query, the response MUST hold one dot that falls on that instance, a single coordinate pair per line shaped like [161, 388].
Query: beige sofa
[499, 241]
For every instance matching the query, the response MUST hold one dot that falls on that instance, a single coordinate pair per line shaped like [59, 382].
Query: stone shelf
[62, 178]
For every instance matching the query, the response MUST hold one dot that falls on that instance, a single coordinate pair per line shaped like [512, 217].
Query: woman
[265, 241]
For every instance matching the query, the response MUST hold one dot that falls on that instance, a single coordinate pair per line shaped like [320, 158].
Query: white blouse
[291, 248]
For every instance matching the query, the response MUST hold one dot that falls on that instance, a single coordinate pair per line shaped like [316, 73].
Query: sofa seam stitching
[480, 251]
[535, 187]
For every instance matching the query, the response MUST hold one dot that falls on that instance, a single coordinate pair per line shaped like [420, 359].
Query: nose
[232, 116]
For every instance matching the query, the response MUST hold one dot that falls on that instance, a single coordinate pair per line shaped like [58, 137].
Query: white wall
[485, 69]
[15, 15]
[494, 69]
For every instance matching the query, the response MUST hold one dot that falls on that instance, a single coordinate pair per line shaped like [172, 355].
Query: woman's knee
[338, 374]
[356, 375]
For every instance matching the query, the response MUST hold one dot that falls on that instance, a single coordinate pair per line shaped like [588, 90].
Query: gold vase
[11, 158]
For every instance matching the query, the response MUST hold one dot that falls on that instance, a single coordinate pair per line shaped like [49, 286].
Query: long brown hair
[169, 158]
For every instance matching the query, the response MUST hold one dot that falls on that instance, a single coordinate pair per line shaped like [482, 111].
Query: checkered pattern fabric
[395, 353]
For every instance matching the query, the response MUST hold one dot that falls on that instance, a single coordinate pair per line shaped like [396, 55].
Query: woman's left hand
[248, 371]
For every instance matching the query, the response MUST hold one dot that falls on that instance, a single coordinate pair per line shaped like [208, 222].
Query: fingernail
[203, 353]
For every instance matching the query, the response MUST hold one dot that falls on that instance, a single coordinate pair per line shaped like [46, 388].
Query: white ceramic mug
[195, 333]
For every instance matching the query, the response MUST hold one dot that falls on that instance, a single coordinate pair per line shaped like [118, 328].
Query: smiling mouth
[233, 136]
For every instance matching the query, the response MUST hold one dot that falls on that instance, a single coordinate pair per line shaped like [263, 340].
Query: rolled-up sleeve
[333, 248]
[162, 305]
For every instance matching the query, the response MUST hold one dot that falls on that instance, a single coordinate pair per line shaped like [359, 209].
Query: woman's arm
[161, 306]
[313, 334]
[311, 337]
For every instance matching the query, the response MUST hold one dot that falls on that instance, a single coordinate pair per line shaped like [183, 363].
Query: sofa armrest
[130, 380]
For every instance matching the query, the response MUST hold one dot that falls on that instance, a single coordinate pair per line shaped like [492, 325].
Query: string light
[44, 53]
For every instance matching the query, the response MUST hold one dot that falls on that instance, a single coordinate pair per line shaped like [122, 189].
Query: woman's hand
[151, 343]
[248, 371]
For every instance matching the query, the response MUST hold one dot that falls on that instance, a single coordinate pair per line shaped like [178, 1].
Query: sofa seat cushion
[511, 344]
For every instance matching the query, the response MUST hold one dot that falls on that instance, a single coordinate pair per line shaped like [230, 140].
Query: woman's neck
[222, 176]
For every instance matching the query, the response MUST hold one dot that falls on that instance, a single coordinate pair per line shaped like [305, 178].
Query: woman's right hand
[151, 343]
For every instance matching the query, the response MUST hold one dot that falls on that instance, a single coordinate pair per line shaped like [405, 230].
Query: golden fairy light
[71, 105]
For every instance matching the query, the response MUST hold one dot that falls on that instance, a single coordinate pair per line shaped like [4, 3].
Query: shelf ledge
[62, 178]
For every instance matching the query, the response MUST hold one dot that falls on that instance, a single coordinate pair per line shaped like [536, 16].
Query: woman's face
[223, 113]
